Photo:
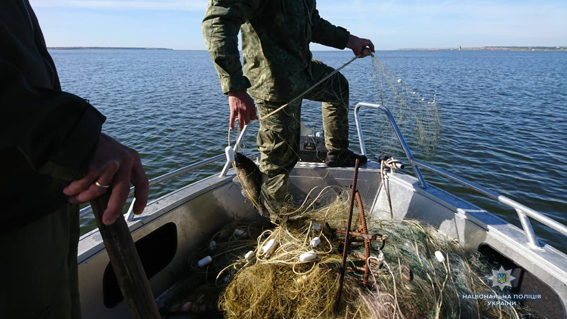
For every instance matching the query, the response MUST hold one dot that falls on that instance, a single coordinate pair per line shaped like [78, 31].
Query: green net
[249, 278]
[417, 117]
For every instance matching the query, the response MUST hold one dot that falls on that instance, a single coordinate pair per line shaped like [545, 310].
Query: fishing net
[417, 117]
[263, 272]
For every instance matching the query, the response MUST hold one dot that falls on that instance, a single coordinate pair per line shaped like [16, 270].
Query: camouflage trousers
[278, 136]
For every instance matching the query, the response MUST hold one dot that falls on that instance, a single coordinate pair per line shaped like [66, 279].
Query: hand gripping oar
[126, 263]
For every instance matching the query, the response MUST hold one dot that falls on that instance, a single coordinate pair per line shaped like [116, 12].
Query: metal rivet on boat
[270, 246]
[308, 256]
[439, 255]
[212, 245]
[239, 232]
[205, 261]
[315, 241]
[249, 255]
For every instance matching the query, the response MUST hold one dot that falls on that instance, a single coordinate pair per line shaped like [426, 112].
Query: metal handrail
[235, 149]
[523, 211]
[160, 179]
[405, 146]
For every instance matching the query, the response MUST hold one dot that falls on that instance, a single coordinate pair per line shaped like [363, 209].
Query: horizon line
[487, 48]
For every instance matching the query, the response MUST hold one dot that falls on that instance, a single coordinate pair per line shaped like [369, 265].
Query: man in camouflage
[277, 67]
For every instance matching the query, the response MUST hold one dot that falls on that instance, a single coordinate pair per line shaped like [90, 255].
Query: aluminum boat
[175, 225]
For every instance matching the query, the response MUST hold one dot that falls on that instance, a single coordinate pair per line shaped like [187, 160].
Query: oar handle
[126, 263]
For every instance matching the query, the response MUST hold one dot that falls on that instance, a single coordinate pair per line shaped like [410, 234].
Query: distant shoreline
[104, 48]
[486, 48]
[490, 48]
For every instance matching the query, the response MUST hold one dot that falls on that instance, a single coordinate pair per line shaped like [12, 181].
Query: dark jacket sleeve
[220, 30]
[328, 34]
[56, 132]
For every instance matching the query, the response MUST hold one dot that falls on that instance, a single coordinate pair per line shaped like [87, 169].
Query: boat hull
[188, 217]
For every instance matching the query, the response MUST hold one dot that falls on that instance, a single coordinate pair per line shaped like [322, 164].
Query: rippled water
[503, 114]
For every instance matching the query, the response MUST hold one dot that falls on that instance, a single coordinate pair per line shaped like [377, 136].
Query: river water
[503, 115]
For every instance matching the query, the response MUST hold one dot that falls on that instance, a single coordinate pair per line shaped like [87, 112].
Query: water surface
[503, 115]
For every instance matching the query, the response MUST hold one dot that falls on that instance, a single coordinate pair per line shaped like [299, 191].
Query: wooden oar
[126, 263]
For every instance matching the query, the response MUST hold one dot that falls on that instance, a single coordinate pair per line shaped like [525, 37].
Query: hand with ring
[113, 166]
[100, 185]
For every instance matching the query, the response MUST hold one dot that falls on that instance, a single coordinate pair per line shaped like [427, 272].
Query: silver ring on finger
[101, 185]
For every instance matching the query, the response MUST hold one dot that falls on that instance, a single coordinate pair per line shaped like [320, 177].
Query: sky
[391, 25]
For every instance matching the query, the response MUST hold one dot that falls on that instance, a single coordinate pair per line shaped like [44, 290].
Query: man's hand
[242, 108]
[113, 165]
[362, 47]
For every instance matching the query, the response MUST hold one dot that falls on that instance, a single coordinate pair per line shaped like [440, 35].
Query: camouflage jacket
[275, 44]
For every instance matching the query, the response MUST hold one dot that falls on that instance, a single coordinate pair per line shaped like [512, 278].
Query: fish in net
[260, 271]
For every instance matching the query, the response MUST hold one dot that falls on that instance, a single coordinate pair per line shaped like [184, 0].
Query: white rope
[386, 183]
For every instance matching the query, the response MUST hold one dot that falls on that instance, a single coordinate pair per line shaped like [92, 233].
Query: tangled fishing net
[292, 270]
[417, 117]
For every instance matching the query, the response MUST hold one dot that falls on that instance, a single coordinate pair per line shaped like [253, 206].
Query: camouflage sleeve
[220, 26]
[328, 34]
